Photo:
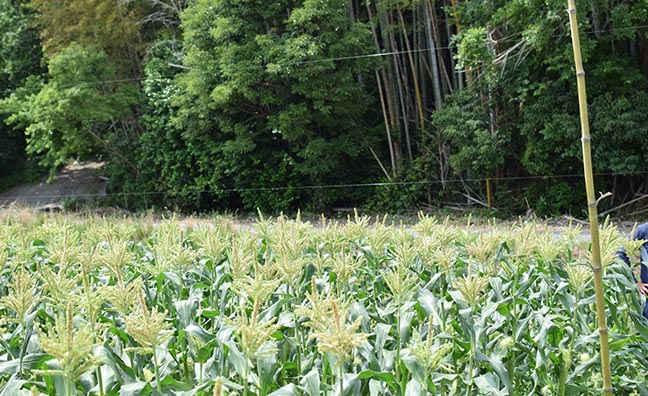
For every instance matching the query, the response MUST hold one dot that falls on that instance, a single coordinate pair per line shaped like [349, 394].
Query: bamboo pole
[428, 11]
[383, 72]
[385, 95]
[392, 156]
[591, 201]
[458, 25]
[410, 57]
[489, 194]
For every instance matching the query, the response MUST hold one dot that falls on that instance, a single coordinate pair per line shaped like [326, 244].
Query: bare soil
[76, 181]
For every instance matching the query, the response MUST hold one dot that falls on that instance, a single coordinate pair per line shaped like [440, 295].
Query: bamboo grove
[386, 104]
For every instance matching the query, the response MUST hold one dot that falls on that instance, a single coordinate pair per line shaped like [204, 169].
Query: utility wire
[310, 187]
[295, 63]
[307, 62]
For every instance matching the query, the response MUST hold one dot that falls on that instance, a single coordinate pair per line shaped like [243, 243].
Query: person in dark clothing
[640, 233]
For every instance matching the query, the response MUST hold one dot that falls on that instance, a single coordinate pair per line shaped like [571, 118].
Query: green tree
[166, 162]
[475, 147]
[113, 27]
[265, 105]
[20, 56]
[74, 113]
[20, 52]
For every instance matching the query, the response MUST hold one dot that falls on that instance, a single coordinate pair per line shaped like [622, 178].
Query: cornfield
[282, 307]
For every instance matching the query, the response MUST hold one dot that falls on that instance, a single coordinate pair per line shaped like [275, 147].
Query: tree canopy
[246, 104]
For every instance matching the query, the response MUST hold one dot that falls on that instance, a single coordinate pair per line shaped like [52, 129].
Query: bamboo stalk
[350, 12]
[457, 80]
[447, 86]
[436, 79]
[390, 142]
[383, 73]
[417, 90]
[399, 76]
[458, 26]
[591, 201]
[394, 85]
[384, 93]
[489, 194]
[380, 164]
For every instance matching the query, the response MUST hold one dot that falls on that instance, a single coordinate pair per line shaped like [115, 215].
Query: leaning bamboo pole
[591, 201]
[410, 57]
[390, 142]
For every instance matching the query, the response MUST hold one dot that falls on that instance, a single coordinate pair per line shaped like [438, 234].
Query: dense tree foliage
[276, 110]
[71, 115]
[20, 55]
[111, 26]
[221, 104]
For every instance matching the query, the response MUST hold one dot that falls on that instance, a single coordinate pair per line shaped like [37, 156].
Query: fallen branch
[475, 200]
[602, 214]
[638, 212]
[381, 165]
[575, 220]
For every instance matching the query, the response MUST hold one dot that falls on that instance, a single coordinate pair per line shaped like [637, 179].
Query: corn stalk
[591, 201]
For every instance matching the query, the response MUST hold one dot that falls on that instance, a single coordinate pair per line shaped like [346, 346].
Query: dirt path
[75, 181]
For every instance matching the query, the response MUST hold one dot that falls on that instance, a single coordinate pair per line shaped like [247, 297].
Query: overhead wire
[303, 62]
[283, 64]
[298, 188]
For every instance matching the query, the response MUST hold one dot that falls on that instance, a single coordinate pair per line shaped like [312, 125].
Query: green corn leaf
[573, 390]
[186, 311]
[123, 372]
[12, 386]
[522, 328]
[500, 369]
[272, 311]
[382, 335]
[311, 383]
[351, 386]
[138, 388]
[405, 324]
[414, 367]
[210, 313]
[236, 358]
[286, 390]
[200, 333]
[414, 388]
[376, 388]
[30, 361]
[205, 351]
[173, 277]
[169, 383]
[488, 384]
[266, 368]
[430, 305]
[385, 376]
[643, 390]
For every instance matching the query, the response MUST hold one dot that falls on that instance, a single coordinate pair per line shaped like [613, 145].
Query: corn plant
[284, 307]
